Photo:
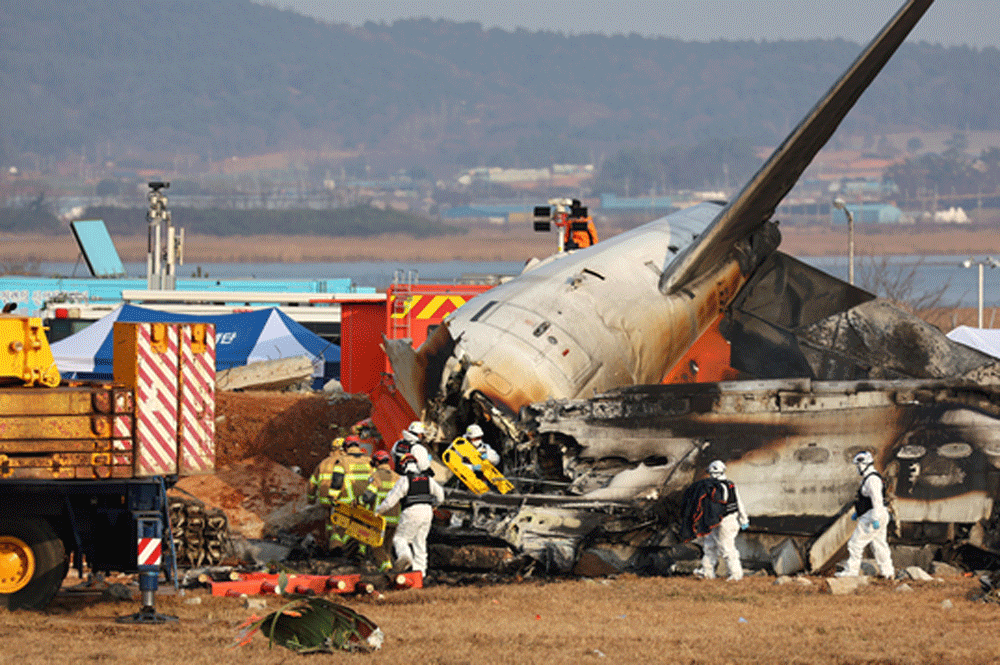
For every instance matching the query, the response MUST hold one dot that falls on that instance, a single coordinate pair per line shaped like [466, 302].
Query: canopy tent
[986, 340]
[240, 339]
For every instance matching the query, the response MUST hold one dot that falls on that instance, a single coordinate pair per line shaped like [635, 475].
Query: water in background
[377, 274]
[930, 272]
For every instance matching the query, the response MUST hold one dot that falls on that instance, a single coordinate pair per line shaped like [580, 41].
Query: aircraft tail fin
[757, 201]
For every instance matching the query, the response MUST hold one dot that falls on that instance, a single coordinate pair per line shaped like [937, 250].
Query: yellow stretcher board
[359, 523]
[453, 458]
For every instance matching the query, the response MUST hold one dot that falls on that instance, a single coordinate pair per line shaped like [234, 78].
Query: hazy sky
[949, 22]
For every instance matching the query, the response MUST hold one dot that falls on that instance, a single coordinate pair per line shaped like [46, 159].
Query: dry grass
[624, 620]
[480, 244]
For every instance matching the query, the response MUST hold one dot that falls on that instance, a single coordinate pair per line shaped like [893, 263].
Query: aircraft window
[552, 340]
[483, 310]
[762, 458]
[911, 452]
[955, 450]
[812, 454]
[540, 329]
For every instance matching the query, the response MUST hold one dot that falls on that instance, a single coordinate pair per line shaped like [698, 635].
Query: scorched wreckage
[564, 366]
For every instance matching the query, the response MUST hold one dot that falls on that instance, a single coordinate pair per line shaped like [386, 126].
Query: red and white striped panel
[156, 401]
[149, 551]
[197, 398]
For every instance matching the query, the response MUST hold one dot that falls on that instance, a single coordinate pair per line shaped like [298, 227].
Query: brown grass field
[479, 244]
[626, 619]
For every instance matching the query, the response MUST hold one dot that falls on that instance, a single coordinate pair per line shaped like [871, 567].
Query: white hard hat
[473, 431]
[717, 468]
[416, 427]
[863, 460]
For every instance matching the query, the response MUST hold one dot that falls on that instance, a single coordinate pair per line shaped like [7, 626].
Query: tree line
[148, 80]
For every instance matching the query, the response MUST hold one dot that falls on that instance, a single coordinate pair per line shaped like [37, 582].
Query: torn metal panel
[795, 320]
[891, 342]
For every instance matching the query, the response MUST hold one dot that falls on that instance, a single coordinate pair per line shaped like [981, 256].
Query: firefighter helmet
[717, 469]
[409, 463]
[352, 442]
[337, 444]
[380, 457]
[473, 432]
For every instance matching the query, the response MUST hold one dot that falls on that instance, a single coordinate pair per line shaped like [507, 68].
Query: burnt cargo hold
[606, 474]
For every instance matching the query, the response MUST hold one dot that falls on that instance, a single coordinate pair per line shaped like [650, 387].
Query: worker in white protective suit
[474, 435]
[413, 442]
[873, 521]
[418, 493]
[721, 540]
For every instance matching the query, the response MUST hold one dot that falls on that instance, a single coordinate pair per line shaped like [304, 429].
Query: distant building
[869, 213]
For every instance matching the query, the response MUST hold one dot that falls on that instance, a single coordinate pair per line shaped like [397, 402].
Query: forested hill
[229, 77]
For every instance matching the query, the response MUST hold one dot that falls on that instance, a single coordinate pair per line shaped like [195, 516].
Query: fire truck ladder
[401, 319]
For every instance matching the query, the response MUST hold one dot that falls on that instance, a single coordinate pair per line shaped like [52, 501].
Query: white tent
[986, 340]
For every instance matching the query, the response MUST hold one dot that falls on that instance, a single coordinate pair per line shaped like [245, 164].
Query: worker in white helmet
[873, 520]
[474, 435]
[721, 540]
[413, 442]
[418, 494]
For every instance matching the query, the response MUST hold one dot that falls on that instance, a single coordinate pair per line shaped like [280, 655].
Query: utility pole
[164, 248]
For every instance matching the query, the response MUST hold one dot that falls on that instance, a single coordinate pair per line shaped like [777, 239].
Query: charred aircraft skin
[621, 461]
[788, 445]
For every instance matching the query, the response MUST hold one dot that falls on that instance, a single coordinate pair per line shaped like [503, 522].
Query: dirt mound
[291, 429]
[260, 438]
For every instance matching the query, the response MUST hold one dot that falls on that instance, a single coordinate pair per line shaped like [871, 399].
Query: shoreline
[479, 244]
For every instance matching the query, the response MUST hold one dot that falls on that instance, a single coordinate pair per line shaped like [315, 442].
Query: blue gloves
[876, 524]
[744, 526]
[477, 467]
[854, 516]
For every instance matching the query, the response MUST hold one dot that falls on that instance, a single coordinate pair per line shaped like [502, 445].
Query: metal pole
[980, 295]
[850, 243]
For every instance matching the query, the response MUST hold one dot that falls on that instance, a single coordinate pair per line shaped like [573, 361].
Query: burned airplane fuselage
[620, 462]
[788, 445]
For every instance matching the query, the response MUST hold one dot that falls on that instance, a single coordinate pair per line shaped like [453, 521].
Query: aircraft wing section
[793, 320]
[756, 202]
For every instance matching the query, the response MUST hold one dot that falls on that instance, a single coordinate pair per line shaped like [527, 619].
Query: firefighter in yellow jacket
[347, 484]
[379, 483]
[319, 484]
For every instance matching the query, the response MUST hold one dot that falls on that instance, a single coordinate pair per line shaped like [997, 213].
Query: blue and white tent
[240, 339]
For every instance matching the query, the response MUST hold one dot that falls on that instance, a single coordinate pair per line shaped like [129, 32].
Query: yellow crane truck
[84, 468]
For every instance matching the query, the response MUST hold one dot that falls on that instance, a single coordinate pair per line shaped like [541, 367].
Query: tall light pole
[991, 262]
[839, 204]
